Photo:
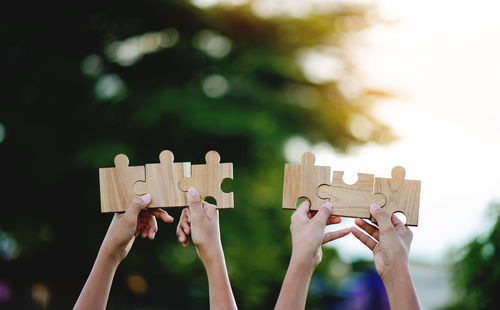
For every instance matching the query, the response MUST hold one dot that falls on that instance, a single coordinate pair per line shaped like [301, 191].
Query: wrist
[211, 255]
[395, 274]
[303, 262]
[109, 256]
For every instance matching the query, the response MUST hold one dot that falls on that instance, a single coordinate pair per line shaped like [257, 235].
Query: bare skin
[201, 221]
[307, 229]
[122, 231]
[390, 243]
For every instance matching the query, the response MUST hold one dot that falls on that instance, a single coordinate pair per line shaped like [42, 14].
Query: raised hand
[308, 234]
[201, 221]
[390, 243]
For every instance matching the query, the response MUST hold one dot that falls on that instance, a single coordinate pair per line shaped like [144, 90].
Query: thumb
[323, 213]
[194, 201]
[383, 220]
[139, 204]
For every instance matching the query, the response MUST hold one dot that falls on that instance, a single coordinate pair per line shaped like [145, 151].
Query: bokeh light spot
[40, 295]
[110, 87]
[131, 50]
[215, 86]
[137, 284]
[92, 65]
[212, 43]
[361, 127]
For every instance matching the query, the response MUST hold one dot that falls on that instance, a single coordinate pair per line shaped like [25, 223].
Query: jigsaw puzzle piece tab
[162, 182]
[116, 184]
[401, 195]
[302, 181]
[207, 179]
[351, 200]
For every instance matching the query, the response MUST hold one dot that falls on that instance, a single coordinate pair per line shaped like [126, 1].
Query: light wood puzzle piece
[302, 181]
[162, 181]
[207, 180]
[116, 184]
[401, 195]
[351, 200]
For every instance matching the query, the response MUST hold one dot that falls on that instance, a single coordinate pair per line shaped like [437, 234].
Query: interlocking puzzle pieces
[393, 195]
[401, 195]
[302, 181]
[121, 184]
[116, 184]
[207, 180]
[162, 181]
[351, 200]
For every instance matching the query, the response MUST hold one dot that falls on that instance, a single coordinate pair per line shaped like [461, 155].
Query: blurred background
[365, 85]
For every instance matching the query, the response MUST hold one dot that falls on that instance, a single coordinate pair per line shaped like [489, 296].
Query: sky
[441, 58]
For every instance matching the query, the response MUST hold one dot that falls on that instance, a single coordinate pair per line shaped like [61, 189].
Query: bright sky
[443, 58]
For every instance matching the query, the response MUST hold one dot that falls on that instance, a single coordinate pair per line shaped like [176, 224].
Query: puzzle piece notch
[207, 179]
[351, 200]
[401, 195]
[302, 181]
[116, 184]
[162, 182]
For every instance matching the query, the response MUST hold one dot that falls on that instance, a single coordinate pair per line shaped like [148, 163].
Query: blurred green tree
[84, 81]
[475, 270]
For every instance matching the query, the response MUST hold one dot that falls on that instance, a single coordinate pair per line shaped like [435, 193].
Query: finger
[323, 213]
[139, 229]
[383, 220]
[144, 232]
[369, 228]
[186, 228]
[210, 209]
[137, 205]
[364, 238]
[194, 202]
[153, 227]
[181, 236]
[396, 221]
[188, 214]
[333, 220]
[162, 214]
[330, 236]
[302, 211]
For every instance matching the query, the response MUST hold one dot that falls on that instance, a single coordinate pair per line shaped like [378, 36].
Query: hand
[126, 226]
[390, 243]
[308, 232]
[201, 221]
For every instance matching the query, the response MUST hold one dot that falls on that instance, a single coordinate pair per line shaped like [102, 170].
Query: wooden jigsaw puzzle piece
[401, 195]
[162, 181]
[302, 181]
[351, 200]
[207, 179]
[116, 184]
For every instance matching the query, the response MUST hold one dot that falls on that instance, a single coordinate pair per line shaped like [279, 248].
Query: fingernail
[328, 206]
[374, 207]
[146, 198]
[192, 192]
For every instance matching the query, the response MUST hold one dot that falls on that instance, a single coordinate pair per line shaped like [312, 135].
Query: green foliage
[476, 270]
[88, 80]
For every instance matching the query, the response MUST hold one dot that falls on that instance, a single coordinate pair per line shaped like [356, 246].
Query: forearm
[400, 289]
[293, 293]
[96, 290]
[220, 292]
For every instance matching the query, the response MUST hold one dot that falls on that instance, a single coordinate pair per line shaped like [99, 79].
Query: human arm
[390, 244]
[201, 221]
[116, 245]
[308, 235]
